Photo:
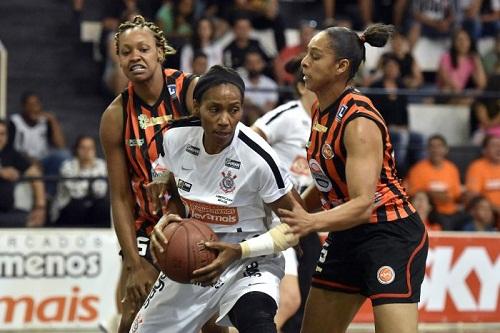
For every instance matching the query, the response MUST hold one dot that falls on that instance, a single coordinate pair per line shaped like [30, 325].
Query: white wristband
[275, 240]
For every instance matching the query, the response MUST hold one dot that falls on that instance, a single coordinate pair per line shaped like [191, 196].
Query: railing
[3, 81]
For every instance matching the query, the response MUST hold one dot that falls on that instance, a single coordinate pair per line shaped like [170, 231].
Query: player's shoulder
[280, 113]
[113, 114]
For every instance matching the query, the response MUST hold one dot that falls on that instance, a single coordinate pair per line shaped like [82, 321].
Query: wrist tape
[273, 241]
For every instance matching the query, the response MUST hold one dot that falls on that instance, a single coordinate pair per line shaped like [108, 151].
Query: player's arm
[363, 142]
[111, 129]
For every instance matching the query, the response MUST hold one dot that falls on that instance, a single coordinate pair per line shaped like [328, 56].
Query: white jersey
[226, 190]
[31, 140]
[287, 129]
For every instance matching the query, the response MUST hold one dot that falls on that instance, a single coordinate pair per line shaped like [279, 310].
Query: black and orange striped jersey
[142, 135]
[327, 155]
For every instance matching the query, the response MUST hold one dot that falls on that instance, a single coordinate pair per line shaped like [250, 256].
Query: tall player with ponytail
[377, 245]
[131, 136]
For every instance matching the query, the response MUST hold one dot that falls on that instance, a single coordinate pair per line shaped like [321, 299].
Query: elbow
[365, 209]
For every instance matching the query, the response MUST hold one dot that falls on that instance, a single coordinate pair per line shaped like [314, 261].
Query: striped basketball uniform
[227, 191]
[384, 259]
[142, 139]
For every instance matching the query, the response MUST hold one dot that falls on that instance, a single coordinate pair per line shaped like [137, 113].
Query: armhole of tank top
[355, 115]
[185, 87]
[124, 113]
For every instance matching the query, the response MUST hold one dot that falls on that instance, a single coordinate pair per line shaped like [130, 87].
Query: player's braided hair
[139, 22]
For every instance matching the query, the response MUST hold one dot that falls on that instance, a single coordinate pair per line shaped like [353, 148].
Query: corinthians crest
[227, 183]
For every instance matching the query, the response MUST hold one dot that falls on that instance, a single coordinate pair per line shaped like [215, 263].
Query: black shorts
[384, 261]
[143, 246]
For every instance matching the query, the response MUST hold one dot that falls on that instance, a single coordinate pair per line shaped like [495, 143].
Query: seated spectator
[408, 145]
[349, 14]
[490, 18]
[265, 15]
[13, 165]
[199, 64]
[483, 217]
[307, 31]
[461, 67]
[411, 74]
[82, 203]
[432, 19]
[234, 54]
[468, 17]
[176, 18]
[483, 175]
[257, 102]
[486, 112]
[422, 203]
[203, 39]
[491, 60]
[38, 134]
[440, 178]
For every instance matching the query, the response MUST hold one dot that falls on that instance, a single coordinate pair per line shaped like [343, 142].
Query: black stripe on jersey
[293, 106]
[265, 155]
[337, 163]
[381, 214]
[369, 108]
[174, 99]
[157, 137]
[144, 150]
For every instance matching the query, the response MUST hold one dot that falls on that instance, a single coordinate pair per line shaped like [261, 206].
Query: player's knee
[253, 312]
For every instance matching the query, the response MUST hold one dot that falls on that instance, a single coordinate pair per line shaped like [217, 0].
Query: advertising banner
[57, 278]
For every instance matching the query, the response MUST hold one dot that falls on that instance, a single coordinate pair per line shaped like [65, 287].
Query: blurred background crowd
[436, 84]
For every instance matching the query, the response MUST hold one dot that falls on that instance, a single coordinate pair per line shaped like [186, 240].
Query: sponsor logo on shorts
[159, 285]
[385, 275]
[227, 183]
[327, 151]
[193, 150]
[145, 121]
[320, 178]
[252, 269]
[210, 213]
[232, 163]
[184, 185]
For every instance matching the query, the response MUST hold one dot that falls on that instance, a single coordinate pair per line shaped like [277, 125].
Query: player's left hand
[209, 275]
[301, 222]
[156, 193]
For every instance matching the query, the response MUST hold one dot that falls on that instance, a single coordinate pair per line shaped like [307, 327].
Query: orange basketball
[185, 252]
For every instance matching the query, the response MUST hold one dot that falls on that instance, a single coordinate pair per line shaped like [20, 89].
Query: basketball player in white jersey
[229, 177]
[287, 129]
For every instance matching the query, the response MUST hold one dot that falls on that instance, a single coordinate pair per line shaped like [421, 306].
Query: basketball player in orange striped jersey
[131, 136]
[377, 245]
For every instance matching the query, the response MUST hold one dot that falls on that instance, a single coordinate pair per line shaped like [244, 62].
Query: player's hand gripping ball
[184, 251]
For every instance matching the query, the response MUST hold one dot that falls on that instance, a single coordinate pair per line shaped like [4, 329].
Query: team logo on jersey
[145, 121]
[135, 142]
[183, 185]
[227, 183]
[171, 89]
[385, 275]
[232, 163]
[322, 181]
[341, 112]
[327, 151]
[193, 150]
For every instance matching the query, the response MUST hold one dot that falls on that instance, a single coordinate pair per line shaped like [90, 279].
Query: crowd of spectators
[208, 32]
